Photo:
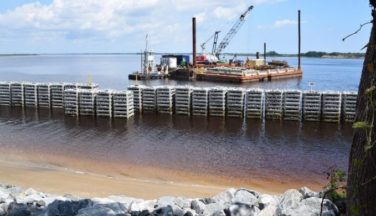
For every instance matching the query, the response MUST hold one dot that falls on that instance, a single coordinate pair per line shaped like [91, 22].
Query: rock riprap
[15, 201]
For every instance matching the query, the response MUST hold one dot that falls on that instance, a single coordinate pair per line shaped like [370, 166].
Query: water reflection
[237, 148]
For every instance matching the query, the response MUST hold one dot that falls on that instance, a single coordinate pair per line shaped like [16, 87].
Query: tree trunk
[361, 183]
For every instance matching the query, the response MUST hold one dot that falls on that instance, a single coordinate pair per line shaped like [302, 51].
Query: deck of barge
[282, 74]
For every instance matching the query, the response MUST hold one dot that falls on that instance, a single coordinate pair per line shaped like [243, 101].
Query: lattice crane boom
[235, 28]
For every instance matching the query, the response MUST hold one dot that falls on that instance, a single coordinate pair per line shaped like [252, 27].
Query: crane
[215, 36]
[235, 28]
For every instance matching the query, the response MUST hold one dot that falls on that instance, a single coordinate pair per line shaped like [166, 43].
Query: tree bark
[361, 183]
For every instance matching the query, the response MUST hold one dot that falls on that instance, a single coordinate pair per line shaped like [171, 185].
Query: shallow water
[230, 148]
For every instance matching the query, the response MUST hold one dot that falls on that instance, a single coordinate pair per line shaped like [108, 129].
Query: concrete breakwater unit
[89, 100]
[293, 105]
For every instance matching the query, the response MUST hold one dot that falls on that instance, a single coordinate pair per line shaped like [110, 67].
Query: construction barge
[210, 67]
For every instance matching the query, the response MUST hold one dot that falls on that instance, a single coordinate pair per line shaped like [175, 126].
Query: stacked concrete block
[331, 106]
[349, 106]
[71, 105]
[56, 97]
[165, 99]
[30, 95]
[273, 104]
[200, 101]
[255, 103]
[292, 105]
[70, 86]
[137, 96]
[87, 86]
[235, 102]
[183, 98]
[86, 100]
[122, 104]
[17, 94]
[149, 99]
[103, 103]
[217, 102]
[5, 98]
[44, 95]
[312, 105]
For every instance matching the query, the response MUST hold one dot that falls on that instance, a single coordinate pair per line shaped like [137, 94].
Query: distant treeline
[310, 54]
[316, 54]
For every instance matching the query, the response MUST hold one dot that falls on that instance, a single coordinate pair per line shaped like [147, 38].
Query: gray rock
[289, 200]
[214, 209]
[165, 201]
[67, 208]
[183, 203]
[243, 210]
[310, 207]
[307, 193]
[117, 208]
[226, 196]
[15, 209]
[198, 206]
[269, 210]
[3, 209]
[265, 200]
[142, 206]
[244, 196]
[96, 211]
[163, 211]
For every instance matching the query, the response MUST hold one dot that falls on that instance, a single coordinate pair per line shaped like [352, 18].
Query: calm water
[111, 71]
[227, 147]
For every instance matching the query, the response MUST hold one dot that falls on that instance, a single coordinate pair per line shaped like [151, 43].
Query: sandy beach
[85, 178]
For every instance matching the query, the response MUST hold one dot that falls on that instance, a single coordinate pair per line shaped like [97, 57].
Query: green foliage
[361, 125]
[336, 185]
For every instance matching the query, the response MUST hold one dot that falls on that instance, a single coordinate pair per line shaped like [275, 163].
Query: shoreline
[89, 178]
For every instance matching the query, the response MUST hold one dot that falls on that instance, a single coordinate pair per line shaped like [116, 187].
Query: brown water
[272, 155]
[233, 149]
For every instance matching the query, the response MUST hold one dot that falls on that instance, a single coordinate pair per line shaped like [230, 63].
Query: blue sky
[72, 26]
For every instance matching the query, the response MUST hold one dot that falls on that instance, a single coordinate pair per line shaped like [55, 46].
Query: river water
[231, 148]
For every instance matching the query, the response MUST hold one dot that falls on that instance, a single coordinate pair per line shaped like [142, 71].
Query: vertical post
[299, 41]
[257, 55]
[264, 53]
[194, 40]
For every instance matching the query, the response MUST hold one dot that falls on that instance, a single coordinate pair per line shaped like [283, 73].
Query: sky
[117, 26]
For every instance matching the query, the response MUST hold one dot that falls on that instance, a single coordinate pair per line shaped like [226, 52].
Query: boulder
[117, 208]
[3, 209]
[265, 200]
[244, 196]
[198, 206]
[310, 207]
[241, 209]
[226, 196]
[142, 206]
[214, 209]
[269, 210]
[289, 200]
[164, 211]
[96, 211]
[307, 193]
[67, 208]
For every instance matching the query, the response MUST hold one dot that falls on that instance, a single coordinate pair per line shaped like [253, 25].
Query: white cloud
[75, 20]
[284, 22]
[280, 24]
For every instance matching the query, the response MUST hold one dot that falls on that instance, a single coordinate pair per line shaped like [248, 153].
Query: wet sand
[63, 175]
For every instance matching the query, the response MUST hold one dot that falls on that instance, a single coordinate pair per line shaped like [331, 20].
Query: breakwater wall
[89, 100]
